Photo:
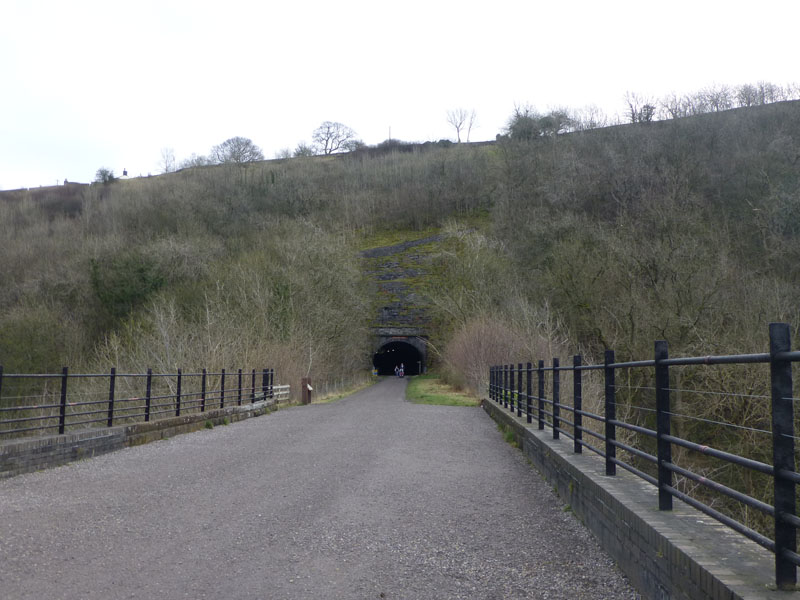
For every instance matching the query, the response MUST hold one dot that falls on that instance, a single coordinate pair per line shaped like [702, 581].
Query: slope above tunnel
[400, 311]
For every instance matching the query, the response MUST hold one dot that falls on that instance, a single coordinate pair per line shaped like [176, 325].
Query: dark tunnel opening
[393, 355]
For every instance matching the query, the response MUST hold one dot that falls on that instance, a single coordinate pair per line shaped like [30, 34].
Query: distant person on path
[401, 372]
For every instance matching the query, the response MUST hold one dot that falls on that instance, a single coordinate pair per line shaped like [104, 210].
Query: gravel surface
[367, 497]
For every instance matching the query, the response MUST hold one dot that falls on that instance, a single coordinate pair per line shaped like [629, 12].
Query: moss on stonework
[398, 277]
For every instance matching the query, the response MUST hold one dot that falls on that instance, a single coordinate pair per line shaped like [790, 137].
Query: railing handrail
[63, 408]
[504, 390]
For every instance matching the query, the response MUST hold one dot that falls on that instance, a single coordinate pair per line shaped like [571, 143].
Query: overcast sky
[89, 84]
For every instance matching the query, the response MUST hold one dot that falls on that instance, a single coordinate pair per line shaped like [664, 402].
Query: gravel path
[368, 497]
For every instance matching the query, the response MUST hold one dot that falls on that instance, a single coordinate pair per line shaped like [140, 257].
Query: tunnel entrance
[394, 354]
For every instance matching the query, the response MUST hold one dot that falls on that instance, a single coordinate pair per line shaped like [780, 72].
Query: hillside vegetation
[684, 230]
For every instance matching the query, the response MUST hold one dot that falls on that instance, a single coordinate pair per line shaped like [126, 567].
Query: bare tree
[332, 137]
[640, 109]
[461, 119]
[303, 150]
[717, 98]
[590, 117]
[674, 106]
[769, 92]
[237, 150]
[167, 164]
[747, 95]
[195, 160]
[792, 91]
[470, 123]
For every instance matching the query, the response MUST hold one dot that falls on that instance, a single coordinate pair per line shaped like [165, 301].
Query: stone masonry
[33, 454]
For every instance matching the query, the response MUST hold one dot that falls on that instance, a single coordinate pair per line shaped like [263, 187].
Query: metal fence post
[222, 390]
[62, 411]
[663, 427]
[556, 398]
[511, 387]
[1, 381]
[112, 381]
[499, 379]
[178, 395]
[203, 392]
[499, 386]
[782, 453]
[253, 388]
[519, 390]
[577, 405]
[505, 386]
[509, 384]
[147, 396]
[272, 383]
[239, 392]
[264, 382]
[610, 414]
[540, 404]
[529, 394]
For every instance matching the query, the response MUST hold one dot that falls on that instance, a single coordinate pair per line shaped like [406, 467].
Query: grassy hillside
[684, 230]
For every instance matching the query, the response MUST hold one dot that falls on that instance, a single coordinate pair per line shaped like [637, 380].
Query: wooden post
[305, 390]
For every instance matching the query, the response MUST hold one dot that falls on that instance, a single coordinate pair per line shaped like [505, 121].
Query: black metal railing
[47, 404]
[648, 442]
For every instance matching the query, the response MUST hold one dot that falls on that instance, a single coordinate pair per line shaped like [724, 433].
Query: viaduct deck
[368, 497]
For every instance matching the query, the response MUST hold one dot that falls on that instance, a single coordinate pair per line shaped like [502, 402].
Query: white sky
[86, 84]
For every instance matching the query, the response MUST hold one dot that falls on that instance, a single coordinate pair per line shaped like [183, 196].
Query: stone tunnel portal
[395, 353]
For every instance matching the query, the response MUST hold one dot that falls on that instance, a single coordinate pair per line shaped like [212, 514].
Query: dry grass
[430, 389]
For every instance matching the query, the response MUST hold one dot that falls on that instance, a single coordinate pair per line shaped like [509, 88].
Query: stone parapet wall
[33, 454]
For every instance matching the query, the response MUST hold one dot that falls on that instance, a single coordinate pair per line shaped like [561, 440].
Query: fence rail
[46, 404]
[649, 443]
